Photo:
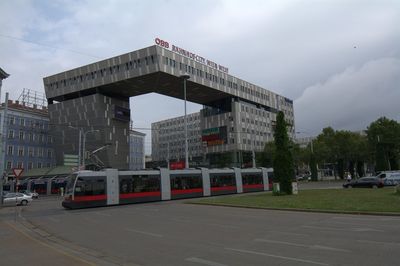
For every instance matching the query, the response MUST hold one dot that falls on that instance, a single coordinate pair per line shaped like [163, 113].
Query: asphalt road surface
[175, 233]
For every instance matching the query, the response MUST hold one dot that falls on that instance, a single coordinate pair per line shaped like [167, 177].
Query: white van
[390, 178]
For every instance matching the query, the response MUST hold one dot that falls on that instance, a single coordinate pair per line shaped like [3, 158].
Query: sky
[339, 60]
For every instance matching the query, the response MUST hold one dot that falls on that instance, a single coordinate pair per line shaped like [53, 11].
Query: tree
[283, 160]
[384, 142]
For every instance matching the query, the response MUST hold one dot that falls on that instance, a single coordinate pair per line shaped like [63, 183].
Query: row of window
[180, 121]
[203, 74]
[32, 137]
[256, 143]
[30, 165]
[13, 120]
[133, 64]
[255, 111]
[30, 151]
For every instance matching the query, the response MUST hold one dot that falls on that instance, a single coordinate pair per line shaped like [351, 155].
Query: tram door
[112, 187]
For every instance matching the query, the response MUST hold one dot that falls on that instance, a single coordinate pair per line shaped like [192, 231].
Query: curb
[299, 210]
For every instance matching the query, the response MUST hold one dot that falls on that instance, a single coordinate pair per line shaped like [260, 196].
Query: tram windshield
[70, 183]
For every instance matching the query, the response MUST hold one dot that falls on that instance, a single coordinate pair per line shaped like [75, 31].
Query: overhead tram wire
[49, 46]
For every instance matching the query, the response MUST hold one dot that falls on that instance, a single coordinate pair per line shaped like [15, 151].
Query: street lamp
[185, 77]
[84, 145]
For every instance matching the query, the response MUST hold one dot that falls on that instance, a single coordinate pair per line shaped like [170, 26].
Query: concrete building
[136, 150]
[96, 96]
[168, 139]
[28, 143]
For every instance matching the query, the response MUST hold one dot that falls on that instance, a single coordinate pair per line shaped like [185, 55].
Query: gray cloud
[352, 99]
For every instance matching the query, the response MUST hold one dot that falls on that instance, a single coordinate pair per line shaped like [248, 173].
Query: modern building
[28, 143]
[168, 139]
[238, 115]
[136, 150]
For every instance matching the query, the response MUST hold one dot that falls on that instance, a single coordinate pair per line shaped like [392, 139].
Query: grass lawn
[383, 200]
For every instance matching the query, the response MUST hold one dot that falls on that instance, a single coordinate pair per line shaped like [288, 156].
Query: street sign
[17, 172]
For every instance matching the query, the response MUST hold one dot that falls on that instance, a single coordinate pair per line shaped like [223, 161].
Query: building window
[9, 165]
[20, 151]
[49, 153]
[12, 120]
[30, 152]
[39, 165]
[31, 137]
[11, 134]
[10, 150]
[40, 152]
[20, 165]
[21, 135]
[30, 165]
[22, 122]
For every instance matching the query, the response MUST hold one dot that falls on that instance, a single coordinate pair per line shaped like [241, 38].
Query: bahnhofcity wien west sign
[190, 55]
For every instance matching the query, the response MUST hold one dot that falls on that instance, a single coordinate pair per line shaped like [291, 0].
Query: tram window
[139, 183]
[252, 179]
[90, 186]
[222, 180]
[186, 182]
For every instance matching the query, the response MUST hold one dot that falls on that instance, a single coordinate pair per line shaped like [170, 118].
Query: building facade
[136, 150]
[28, 143]
[97, 95]
[168, 139]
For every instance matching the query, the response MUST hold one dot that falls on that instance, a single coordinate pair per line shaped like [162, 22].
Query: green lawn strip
[333, 200]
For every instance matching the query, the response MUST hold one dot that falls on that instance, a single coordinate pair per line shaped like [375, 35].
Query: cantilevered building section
[96, 97]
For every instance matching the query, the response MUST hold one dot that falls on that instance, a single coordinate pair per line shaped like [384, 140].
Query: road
[175, 233]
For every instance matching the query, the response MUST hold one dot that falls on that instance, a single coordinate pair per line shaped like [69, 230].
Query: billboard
[215, 136]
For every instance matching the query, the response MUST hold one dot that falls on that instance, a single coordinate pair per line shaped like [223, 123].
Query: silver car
[16, 198]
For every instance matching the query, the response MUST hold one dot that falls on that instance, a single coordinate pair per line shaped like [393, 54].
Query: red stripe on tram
[140, 194]
[186, 191]
[223, 188]
[90, 198]
[254, 186]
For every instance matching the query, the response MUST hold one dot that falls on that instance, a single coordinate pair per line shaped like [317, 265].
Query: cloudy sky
[338, 60]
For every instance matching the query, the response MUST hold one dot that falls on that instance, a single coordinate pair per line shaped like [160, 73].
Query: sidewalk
[19, 247]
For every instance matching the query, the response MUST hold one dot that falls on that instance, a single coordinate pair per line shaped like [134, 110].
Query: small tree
[283, 160]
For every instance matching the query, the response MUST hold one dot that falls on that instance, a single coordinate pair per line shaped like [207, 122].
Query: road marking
[301, 245]
[341, 229]
[277, 256]
[50, 246]
[204, 262]
[378, 242]
[143, 232]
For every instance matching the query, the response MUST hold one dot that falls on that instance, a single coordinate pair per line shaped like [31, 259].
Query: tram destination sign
[190, 55]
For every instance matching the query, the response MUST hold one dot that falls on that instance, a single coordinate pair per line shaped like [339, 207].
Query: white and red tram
[113, 187]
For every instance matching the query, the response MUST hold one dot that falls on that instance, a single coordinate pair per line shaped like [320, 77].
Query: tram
[113, 187]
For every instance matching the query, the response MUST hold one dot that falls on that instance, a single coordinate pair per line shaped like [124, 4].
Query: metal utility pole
[185, 77]
[84, 147]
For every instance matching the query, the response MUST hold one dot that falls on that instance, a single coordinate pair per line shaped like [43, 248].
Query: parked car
[16, 198]
[392, 179]
[30, 193]
[368, 182]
